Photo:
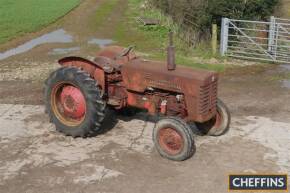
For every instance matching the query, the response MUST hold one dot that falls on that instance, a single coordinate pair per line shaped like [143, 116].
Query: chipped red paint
[198, 87]
[127, 80]
[163, 108]
[81, 63]
[99, 75]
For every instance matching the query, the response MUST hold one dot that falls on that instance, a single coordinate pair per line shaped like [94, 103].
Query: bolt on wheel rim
[170, 141]
[68, 104]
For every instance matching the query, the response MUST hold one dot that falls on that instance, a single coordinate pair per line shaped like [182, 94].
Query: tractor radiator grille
[207, 98]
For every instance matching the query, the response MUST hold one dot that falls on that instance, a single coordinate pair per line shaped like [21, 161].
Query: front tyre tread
[186, 132]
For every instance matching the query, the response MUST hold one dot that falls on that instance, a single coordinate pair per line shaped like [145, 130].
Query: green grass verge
[103, 12]
[281, 76]
[153, 40]
[18, 17]
[285, 6]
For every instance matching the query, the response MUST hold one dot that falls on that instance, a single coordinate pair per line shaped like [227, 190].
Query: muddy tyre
[173, 139]
[73, 102]
[220, 124]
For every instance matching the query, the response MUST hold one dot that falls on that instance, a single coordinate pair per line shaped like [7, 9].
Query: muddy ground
[35, 158]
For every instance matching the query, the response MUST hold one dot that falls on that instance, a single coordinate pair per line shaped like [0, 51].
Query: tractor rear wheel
[220, 124]
[173, 139]
[73, 102]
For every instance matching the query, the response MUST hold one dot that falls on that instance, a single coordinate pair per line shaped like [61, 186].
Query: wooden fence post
[214, 39]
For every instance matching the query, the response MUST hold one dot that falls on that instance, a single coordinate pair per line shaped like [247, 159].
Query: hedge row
[198, 15]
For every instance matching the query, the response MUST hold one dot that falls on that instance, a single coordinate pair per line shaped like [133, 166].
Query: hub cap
[73, 102]
[170, 141]
[68, 104]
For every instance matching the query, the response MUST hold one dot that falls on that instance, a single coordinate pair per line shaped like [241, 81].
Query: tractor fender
[95, 70]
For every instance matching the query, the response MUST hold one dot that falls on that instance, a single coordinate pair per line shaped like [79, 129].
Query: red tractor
[78, 94]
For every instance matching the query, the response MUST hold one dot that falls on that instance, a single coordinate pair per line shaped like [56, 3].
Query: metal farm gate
[257, 40]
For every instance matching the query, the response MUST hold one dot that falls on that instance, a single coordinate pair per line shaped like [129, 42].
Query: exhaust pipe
[171, 53]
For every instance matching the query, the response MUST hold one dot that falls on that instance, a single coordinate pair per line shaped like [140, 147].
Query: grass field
[18, 17]
[104, 12]
[150, 40]
[153, 40]
[286, 8]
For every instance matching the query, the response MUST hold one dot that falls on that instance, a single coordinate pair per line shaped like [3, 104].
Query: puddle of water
[285, 66]
[100, 42]
[57, 36]
[285, 83]
[60, 51]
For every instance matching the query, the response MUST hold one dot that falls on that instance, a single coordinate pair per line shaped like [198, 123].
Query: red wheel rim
[170, 141]
[68, 104]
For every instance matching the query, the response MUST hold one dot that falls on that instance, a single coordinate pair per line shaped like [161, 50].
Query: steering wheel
[126, 51]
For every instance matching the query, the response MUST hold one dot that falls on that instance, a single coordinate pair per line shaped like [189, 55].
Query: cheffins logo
[258, 182]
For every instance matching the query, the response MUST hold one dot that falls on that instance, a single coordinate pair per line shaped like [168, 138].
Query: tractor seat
[107, 64]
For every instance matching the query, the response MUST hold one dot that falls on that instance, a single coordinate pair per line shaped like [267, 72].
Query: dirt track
[35, 158]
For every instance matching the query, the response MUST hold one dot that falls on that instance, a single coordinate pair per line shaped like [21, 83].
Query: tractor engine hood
[139, 75]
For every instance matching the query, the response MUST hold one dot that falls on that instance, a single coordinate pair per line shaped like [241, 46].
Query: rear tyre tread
[95, 112]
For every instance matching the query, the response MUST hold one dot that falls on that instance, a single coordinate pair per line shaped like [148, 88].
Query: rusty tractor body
[186, 93]
[180, 94]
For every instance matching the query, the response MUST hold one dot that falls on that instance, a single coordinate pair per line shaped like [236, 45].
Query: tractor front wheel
[220, 124]
[173, 139]
[73, 102]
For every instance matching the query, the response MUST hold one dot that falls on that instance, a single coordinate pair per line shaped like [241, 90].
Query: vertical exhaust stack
[171, 53]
